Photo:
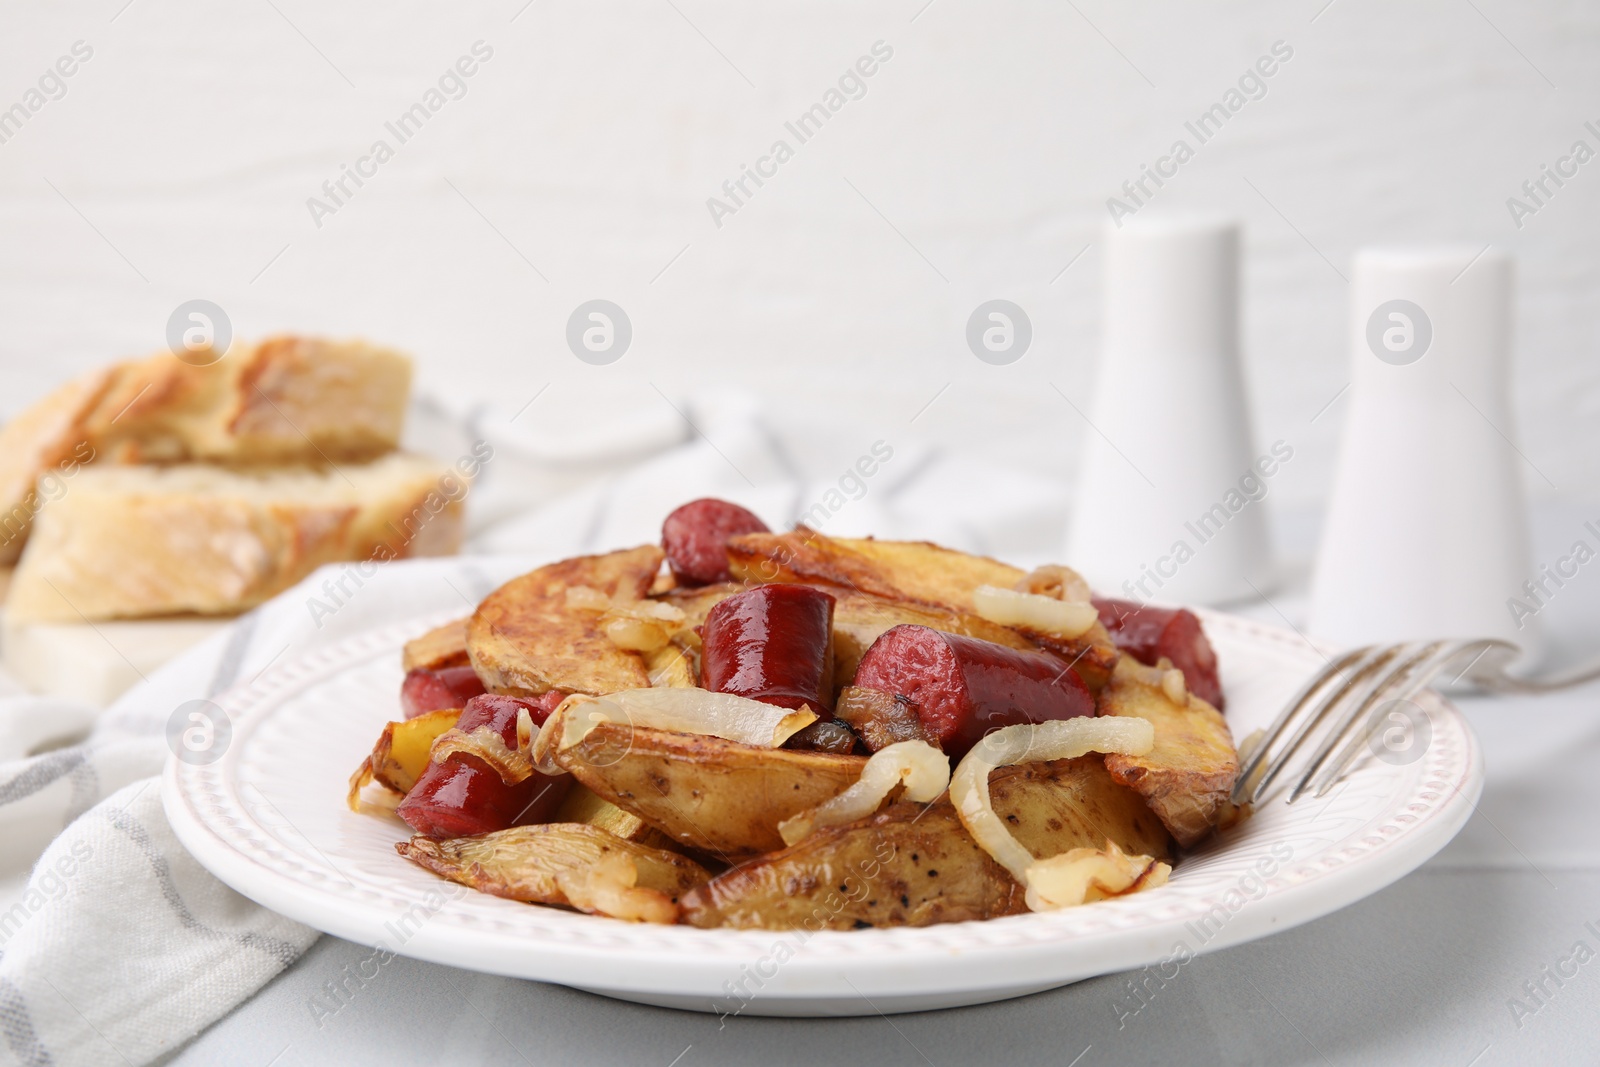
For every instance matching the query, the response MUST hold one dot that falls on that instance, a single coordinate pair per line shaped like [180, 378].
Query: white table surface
[1423, 972]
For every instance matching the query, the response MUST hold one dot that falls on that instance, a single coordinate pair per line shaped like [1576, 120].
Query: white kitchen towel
[120, 947]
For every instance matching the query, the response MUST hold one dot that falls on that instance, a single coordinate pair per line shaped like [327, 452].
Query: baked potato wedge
[908, 865]
[914, 571]
[524, 640]
[533, 863]
[402, 753]
[1187, 776]
[444, 646]
[915, 865]
[716, 796]
[931, 574]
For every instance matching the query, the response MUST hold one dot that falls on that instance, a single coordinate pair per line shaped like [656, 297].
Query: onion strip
[1066, 619]
[1026, 743]
[679, 710]
[491, 748]
[1085, 875]
[924, 770]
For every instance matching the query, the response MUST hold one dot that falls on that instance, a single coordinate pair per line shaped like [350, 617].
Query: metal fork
[1353, 684]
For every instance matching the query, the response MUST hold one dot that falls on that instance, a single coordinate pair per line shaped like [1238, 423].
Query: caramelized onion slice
[684, 711]
[1085, 875]
[1034, 611]
[1056, 582]
[1025, 743]
[491, 748]
[924, 770]
[610, 887]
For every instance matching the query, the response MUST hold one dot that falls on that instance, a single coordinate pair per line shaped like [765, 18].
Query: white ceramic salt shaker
[1169, 507]
[1426, 533]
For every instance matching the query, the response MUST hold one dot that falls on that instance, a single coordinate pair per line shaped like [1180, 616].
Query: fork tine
[1438, 656]
[1364, 662]
[1258, 754]
[1405, 658]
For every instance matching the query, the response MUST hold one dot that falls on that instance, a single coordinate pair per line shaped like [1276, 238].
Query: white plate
[269, 819]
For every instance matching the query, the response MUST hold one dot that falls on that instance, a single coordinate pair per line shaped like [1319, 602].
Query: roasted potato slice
[905, 866]
[401, 754]
[1187, 776]
[804, 555]
[716, 796]
[525, 641]
[1076, 803]
[444, 646]
[916, 571]
[527, 862]
[915, 865]
[931, 574]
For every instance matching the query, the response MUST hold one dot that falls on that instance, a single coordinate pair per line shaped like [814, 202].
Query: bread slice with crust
[286, 400]
[136, 541]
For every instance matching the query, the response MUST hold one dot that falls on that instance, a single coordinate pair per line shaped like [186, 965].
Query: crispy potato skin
[1187, 777]
[716, 796]
[444, 646]
[932, 574]
[525, 641]
[522, 863]
[906, 866]
[901, 867]
[915, 571]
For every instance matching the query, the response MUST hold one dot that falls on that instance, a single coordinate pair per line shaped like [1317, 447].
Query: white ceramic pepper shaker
[1426, 534]
[1168, 505]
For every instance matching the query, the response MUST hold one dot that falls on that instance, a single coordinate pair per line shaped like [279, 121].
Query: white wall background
[189, 144]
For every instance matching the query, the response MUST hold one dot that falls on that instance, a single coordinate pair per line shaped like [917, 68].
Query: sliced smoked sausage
[1147, 634]
[773, 643]
[963, 688]
[695, 539]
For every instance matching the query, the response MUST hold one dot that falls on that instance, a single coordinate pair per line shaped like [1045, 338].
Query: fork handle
[1497, 680]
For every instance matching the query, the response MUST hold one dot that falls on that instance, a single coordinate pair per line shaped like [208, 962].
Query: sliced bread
[137, 542]
[285, 400]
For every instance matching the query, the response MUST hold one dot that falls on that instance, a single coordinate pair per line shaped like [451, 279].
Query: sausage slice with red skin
[426, 690]
[695, 539]
[773, 643]
[1148, 633]
[963, 688]
[461, 795]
